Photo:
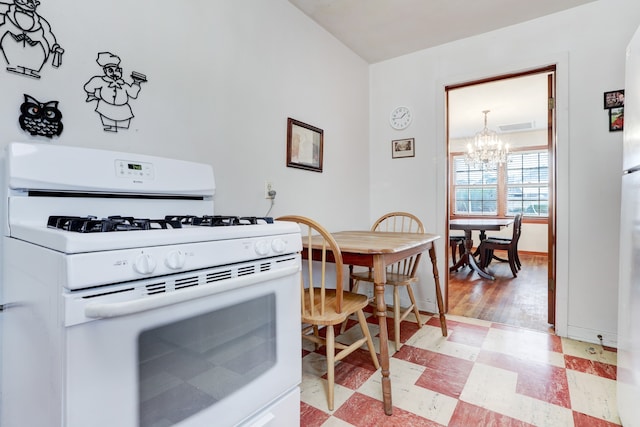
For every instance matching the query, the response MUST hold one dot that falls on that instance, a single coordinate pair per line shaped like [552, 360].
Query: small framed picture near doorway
[403, 148]
[614, 99]
[304, 146]
[616, 119]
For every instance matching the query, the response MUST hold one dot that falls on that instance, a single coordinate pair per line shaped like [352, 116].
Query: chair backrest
[314, 281]
[403, 222]
[517, 228]
[398, 222]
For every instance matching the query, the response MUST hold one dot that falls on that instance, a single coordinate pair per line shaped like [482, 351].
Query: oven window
[187, 366]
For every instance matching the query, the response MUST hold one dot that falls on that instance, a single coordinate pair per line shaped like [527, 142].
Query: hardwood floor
[518, 301]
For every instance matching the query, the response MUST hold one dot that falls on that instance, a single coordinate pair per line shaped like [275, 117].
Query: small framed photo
[616, 119]
[614, 99]
[403, 148]
[304, 146]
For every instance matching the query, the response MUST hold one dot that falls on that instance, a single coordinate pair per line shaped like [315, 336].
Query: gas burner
[256, 220]
[219, 220]
[91, 224]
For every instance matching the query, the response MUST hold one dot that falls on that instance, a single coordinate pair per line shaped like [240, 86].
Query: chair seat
[351, 303]
[498, 240]
[393, 279]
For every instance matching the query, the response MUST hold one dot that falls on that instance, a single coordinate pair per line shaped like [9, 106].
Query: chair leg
[415, 306]
[396, 316]
[365, 330]
[485, 257]
[316, 333]
[512, 264]
[454, 246]
[330, 365]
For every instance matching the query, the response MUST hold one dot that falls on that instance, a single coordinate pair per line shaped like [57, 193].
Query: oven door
[225, 357]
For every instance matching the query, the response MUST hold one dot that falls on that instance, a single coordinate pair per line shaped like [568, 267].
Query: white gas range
[127, 302]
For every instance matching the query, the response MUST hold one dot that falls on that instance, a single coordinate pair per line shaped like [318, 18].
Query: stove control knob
[262, 247]
[145, 264]
[175, 260]
[278, 246]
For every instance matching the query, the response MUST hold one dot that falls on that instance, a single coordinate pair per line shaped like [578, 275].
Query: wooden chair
[491, 244]
[399, 275]
[323, 306]
[456, 243]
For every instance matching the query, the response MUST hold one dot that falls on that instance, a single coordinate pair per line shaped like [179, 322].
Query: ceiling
[383, 29]
[378, 30]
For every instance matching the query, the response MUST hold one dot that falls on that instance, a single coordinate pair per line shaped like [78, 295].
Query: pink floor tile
[467, 415]
[352, 376]
[361, 410]
[443, 374]
[311, 417]
[362, 359]
[590, 367]
[540, 381]
[435, 321]
[415, 355]
[582, 420]
[407, 329]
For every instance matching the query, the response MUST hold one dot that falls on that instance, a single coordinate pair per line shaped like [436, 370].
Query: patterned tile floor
[482, 374]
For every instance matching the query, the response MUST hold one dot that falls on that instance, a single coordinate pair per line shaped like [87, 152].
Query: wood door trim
[551, 69]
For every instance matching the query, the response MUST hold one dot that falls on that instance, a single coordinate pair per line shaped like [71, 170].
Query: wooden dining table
[377, 250]
[482, 225]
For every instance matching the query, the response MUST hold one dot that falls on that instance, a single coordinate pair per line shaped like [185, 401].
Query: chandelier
[486, 148]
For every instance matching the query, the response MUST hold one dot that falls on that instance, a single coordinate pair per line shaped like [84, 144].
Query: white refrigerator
[628, 376]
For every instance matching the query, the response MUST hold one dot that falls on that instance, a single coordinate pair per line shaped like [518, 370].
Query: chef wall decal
[112, 93]
[40, 118]
[26, 40]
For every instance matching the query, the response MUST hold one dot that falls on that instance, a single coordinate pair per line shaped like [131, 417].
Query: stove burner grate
[220, 220]
[91, 224]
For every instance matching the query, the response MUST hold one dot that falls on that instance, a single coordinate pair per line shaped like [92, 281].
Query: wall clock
[400, 117]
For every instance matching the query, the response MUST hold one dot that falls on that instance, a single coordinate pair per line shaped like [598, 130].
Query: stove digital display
[128, 169]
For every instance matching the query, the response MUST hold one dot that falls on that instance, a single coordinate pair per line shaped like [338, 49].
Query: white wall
[224, 76]
[588, 45]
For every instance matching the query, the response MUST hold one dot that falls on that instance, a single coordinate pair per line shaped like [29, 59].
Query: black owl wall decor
[40, 118]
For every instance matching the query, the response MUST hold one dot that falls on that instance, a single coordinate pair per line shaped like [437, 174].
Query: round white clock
[400, 117]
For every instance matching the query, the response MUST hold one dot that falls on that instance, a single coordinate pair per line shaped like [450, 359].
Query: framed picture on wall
[616, 119]
[403, 148]
[304, 146]
[614, 99]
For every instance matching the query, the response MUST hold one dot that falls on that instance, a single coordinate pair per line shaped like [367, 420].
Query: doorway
[522, 111]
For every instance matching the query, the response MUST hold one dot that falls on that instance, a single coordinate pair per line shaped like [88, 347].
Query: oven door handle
[116, 309]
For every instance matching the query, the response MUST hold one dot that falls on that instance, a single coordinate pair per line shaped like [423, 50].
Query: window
[528, 184]
[520, 185]
[476, 189]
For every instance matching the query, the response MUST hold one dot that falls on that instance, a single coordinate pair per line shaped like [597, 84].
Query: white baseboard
[609, 339]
